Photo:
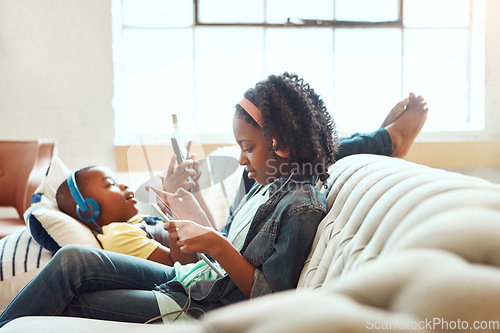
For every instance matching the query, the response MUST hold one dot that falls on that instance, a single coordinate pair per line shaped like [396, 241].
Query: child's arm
[128, 239]
[166, 256]
[190, 237]
[161, 255]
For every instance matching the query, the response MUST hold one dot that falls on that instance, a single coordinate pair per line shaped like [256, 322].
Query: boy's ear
[285, 153]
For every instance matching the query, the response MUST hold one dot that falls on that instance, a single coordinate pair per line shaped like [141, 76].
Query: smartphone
[181, 152]
[155, 203]
[179, 148]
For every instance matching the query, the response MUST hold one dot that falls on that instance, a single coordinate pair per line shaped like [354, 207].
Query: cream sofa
[404, 248]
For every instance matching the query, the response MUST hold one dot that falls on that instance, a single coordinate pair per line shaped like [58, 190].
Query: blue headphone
[87, 209]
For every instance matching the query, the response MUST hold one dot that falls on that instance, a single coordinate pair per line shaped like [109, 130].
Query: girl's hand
[186, 207]
[183, 206]
[190, 237]
[194, 238]
[177, 177]
[196, 168]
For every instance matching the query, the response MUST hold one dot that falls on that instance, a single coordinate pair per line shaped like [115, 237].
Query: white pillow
[20, 260]
[50, 227]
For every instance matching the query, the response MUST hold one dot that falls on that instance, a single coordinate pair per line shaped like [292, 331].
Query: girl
[287, 141]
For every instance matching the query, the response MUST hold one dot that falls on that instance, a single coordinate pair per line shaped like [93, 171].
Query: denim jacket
[277, 244]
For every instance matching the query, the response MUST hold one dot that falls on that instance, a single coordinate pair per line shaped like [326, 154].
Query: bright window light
[197, 58]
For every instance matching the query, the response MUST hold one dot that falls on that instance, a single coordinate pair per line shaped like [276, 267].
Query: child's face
[116, 200]
[255, 154]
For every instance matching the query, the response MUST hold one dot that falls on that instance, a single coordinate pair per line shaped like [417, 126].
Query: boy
[117, 228]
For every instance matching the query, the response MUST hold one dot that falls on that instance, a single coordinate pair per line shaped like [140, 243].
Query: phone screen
[181, 151]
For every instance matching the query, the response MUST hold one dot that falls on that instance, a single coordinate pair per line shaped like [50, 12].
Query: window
[196, 58]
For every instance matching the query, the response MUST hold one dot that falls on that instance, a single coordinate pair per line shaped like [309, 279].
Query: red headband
[255, 113]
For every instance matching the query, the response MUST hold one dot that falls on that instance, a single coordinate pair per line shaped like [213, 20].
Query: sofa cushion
[20, 260]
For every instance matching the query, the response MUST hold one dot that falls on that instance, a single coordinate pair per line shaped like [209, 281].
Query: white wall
[56, 76]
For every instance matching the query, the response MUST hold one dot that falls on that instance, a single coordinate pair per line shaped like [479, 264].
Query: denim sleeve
[378, 143]
[281, 271]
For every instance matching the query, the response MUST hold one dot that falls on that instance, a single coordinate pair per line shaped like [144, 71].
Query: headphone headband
[75, 192]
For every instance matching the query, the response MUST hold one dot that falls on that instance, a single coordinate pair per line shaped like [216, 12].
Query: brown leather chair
[23, 165]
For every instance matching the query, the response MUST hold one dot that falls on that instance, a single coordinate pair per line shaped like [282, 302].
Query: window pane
[367, 10]
[278, 11]
[367, 76]
[436, 13]
[231, 11]
[307, 52]
[436, 65]
[228, 62]
[158, 13]
[157, 79]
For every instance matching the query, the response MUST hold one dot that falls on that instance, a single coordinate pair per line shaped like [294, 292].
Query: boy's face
[255, 154]
[116, 200]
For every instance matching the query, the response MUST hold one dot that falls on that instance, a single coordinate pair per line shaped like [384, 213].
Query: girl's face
[255, 155]
[116, 201]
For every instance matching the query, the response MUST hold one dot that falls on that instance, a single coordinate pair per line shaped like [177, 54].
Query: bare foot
[395, 112]
[404, 129]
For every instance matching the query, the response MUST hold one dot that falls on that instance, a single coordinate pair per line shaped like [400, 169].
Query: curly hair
[294, 114]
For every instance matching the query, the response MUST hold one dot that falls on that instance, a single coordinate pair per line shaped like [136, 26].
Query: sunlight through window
[197, 58]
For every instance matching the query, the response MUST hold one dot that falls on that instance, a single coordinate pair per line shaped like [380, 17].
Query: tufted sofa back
[376, 204]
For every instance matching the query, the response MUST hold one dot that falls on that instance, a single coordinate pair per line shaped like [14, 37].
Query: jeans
[84, 282]
[378, 143]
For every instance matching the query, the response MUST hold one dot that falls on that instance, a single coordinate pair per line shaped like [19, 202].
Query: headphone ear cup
[91, 213]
